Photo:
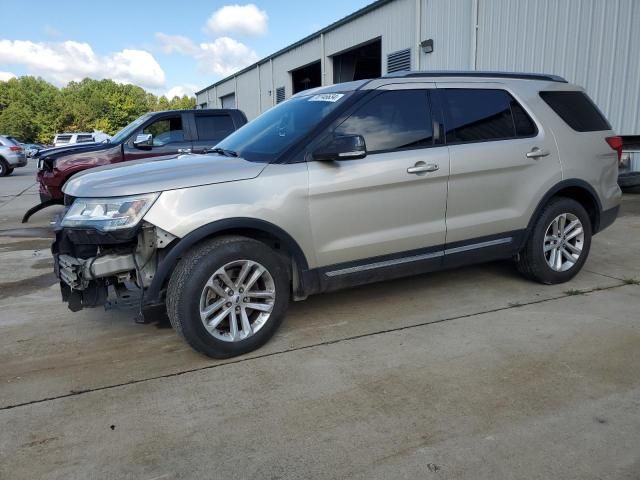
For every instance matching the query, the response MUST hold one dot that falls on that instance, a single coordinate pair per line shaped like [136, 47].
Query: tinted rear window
[84, 138]
[214, 127]
[577, 110]
[477, 115]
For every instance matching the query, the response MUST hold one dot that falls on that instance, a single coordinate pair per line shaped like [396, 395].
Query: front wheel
[558, 244]
[228, 296]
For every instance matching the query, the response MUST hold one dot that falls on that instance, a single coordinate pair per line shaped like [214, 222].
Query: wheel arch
[267, 232]
[578, 190]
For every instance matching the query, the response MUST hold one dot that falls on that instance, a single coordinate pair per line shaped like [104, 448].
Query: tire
[534, 263]
[630, 182]
[195, 285]
[5, 169]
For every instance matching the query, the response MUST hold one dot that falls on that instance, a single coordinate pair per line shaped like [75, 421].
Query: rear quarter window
[577, 110]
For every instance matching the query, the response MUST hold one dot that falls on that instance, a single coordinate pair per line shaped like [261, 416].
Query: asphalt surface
[472, 373]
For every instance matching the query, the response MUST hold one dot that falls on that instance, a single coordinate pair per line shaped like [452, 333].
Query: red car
[155, 135]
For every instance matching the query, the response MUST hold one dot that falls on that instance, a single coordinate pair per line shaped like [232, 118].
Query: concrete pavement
[472, 373]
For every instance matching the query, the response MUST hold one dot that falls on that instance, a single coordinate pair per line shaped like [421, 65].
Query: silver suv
[11, 156]
[340, 186]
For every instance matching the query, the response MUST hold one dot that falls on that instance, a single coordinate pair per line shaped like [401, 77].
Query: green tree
[32, 109]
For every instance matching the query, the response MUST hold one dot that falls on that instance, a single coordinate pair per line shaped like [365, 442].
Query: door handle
[537, 153]
[421, 168]
[184, 150]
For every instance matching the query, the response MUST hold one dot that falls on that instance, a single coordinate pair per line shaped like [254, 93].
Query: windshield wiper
[222, 151]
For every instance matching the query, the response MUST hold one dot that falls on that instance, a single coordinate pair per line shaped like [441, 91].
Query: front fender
[220, 227]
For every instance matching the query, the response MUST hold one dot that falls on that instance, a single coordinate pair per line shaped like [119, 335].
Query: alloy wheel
[237, 300]
[563, 242]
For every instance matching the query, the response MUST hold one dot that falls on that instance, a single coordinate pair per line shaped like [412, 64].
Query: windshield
[126, 132]
[269, 135]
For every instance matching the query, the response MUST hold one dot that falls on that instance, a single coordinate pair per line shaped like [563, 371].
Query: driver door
[381, 205]
[169, 139]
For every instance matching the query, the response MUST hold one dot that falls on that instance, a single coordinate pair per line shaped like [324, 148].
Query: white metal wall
[594, 43]
[450, 24]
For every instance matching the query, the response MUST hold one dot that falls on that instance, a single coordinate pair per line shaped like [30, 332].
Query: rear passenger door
[501, 161]
[170, 138]
[211, 127]
[392, 202]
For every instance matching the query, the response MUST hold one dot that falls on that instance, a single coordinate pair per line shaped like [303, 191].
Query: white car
[62, 139]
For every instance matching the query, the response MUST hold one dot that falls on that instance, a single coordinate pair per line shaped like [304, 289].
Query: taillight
[15, 148]
[616, 144]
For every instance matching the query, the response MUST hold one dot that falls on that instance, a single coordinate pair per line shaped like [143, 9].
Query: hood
[146, 176]
[56, 152]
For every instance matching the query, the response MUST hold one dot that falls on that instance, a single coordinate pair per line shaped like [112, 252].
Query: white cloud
[177, 44]
[62, 62]
[244, 19]
[223, 56]
[181, 91]
[4, 76]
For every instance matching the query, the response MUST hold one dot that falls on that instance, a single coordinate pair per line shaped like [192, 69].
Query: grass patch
[573, 292]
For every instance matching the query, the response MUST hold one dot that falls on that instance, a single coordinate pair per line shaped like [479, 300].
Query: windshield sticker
[327, 97]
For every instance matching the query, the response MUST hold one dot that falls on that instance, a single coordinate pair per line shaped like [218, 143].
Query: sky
[166, 47]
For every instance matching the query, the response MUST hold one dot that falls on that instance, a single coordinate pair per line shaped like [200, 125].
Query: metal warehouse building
[594, 43]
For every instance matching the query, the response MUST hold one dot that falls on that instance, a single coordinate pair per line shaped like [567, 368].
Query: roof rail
[476, 74]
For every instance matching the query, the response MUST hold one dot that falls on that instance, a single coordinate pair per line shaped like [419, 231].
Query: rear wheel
[228, 296]
[5, 169]
[558, 244]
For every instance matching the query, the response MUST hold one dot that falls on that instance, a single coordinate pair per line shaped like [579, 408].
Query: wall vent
[399, 61]
[279, 94]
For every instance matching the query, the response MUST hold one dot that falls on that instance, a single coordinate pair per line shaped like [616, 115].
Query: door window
[213, 127]
[166, 130]
[393, 120]
[477, 115]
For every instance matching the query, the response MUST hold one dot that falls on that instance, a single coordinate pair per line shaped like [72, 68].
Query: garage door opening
[228, 101]
[358, 63]
[306, 77]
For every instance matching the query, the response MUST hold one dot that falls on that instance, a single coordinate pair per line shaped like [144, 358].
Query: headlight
[108, 214]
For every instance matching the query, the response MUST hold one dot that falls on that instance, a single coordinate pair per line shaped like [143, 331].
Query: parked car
[344, 185]
[629, 168]
[156, 135]
[11, 155]
[30, 149]
[63, 139]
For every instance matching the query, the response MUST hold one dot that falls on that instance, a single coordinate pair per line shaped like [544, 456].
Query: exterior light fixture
[427, 45]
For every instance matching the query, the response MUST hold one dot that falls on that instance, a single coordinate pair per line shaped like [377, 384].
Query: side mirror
[143, 141]
[343, 147]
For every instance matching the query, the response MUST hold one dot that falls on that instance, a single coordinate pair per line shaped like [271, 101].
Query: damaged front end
[105, 254]
[113, 270]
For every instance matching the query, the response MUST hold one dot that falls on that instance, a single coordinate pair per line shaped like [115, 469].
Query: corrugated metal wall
[594, 43]
[449, 24]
